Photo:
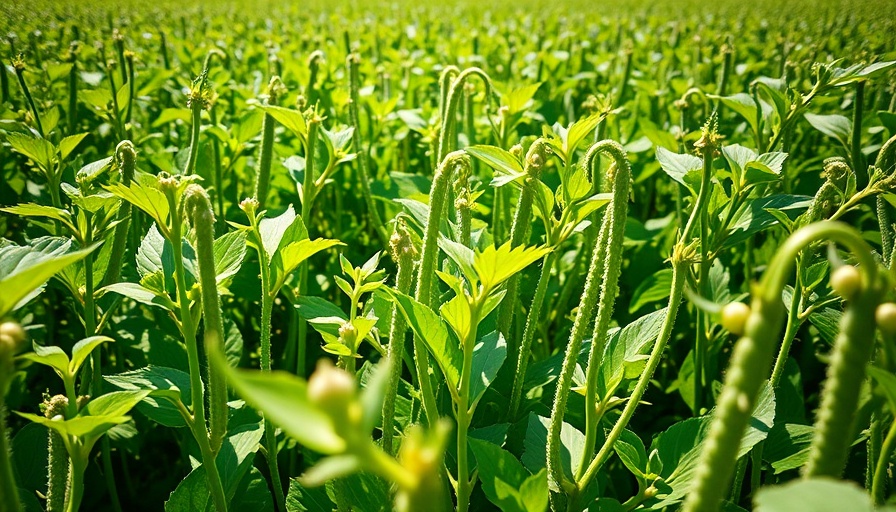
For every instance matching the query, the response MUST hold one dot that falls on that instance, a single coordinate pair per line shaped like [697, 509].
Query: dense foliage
[426, 258]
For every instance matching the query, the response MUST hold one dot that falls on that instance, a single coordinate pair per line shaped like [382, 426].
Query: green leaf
[655, 288]
[517, 99]
[41, 151]
[462, 256]
[743, 104]
[685, 169]
[39, 210]
[68, 144]
[229, 250]
[283, 398]
[82, 350]
[373, 393]
[501, 475]
[145, 197]
[273, 230]
[834, 125]
[572, 442]
[287, 259]
[427, 325]
[291, 119]
[488, 356]
[815, 494]
[628, 346]
[580, 129]
[330, 468]
[495, 265]
[753, 216]
[631, 452]
[24, 269]
[140, 294]
[456, 312]
[168, 385]
[507, 167]
[51, 356]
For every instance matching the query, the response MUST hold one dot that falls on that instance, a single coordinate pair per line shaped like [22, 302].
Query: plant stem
[428, 259]
[9, 492]
[188, 329]
[879, 484]
[376, 221]
[195, 128]
[265, 155]
[76, 485]
[532, 319]
[678, 278]
[856, 157]
[536, 159]
[403, 252]
[20, 74]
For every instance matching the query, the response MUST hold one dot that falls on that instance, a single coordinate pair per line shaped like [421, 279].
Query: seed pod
[885, 316]
[199, 210]
[846, 281]
[734, 317]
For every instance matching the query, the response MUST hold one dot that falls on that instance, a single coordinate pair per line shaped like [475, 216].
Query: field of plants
[432, 256]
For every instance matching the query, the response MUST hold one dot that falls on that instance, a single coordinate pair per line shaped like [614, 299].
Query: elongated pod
[599, 275]
[751, 360]
[198, 208]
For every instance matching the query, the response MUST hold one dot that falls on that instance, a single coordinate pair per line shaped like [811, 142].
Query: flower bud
[846, 281]
[734, 317]
[885, 316]
[332, 389]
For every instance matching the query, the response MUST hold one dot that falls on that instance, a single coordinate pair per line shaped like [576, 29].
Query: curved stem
[610, 249]
[751, 360]
[428, 258]
[678, 270]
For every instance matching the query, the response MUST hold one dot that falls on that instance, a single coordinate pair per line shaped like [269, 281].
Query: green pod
[403, 252]
[266, 151]
[836, 419]
[57, 460]
[198, 207]
[751, 361]
[536, 160]
[602, 273]
[126, 158]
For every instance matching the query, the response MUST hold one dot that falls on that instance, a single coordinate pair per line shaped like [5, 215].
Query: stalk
[198, 208]
[57, 461]
[9, 492]
[199, 100]
[836, 415]
[428, 259]
[465, 413]
[856, 157]
[532, 319]
[4, 83]
[752, 360]
[620, 175]
[132, 84]
[879, 483]
[188, 329]
[353, 62]
[72, 87]
[19, 65]
[266, 152]
[599, 269]
[448, 132]
[309, 192]
[403, 252]
[536, 159]
[126, 157]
